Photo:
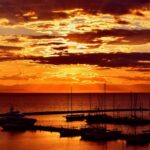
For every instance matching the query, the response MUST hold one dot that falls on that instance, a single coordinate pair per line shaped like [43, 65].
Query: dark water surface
[52, 141]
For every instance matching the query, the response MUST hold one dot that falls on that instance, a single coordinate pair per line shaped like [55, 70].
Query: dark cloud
[48, 44]
[42, 37]
[57, 43]
[125, 36]
[13, 40]
[138, 13]
[122, 7]
[60, 48]
[101, 59]
[45, 9]
[10, 47]
[16, 10]
[121, 21]
[87, 37]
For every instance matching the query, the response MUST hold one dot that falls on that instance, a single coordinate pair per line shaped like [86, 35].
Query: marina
[74, 74]
[54, 122]
[97, 134]
[90, 132]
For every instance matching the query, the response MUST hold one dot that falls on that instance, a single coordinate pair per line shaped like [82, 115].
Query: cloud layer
[125, 36]
[25, 10]
[74, 42]
[141, 60]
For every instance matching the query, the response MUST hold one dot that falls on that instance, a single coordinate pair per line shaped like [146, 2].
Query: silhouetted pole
[135, 104]
[71, 100]
[68, 103]
[90, 101]
[104, 97]
[114, 96]
[149, 108]
[131, 103]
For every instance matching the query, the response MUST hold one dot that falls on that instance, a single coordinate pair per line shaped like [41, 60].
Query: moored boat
[69, 132]
[15, 120]
[100, 134]
[137, 139]
[75, 117]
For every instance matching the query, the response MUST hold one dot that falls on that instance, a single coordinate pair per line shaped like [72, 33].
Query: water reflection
[47, 140]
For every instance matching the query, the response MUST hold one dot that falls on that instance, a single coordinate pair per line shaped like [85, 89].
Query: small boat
[101, 135]
[89, 129]
[137, 139]
[75, 117]
[98, 118]
[69, 132]
[14, 127]
[15, 120]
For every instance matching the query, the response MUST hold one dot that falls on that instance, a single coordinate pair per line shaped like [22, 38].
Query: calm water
[47, 140]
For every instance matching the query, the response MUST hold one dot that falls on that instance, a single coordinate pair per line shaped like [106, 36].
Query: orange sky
[50, 47]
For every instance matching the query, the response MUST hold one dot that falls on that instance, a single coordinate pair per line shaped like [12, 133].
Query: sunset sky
[53, 45]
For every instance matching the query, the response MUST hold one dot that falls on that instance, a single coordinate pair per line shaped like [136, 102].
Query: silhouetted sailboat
[14, 120]
[100, 117]
[71, 116]
[132, 120]
[69, 132]
[101, 135]
[138, 138]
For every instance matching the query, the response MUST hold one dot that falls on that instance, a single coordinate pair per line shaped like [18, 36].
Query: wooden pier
[50, 128]
[64, 131]
[85, 111]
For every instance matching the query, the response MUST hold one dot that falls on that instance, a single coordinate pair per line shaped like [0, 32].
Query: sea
[44, 140]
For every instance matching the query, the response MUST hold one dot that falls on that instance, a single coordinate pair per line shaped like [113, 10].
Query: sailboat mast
[90, 101]
[135, 104]
[149, 112]
[71, 100]
[68, 103]
[104, 95]
[131, 105]
[114, 96]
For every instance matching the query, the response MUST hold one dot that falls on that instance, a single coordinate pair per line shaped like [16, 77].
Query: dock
[51, 128]
[84, 111]
[64, 131]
